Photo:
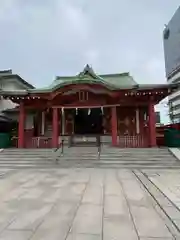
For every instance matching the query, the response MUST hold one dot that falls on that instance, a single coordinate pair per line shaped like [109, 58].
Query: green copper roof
[88, 76]
[122, 80]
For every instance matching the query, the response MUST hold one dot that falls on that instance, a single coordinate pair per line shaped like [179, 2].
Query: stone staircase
[156, 158]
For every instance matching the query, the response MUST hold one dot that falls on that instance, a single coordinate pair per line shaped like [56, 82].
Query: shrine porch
[117, 126]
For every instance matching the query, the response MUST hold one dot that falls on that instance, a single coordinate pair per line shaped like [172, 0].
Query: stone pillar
[152, 125]
[21, 139]
[63, 121]
[137, 121]
[114, 126]
[55, 128]
[43, 124]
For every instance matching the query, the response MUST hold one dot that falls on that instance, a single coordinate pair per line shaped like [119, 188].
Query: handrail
[98, 138]
[62, 146]
[62, 149]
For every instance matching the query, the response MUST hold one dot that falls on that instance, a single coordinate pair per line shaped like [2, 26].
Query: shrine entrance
[88, 121]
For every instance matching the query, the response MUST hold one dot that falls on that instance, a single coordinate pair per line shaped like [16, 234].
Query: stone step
[144, 158]
[114, 155]
[29, 152]
[64, 158]
[108, 149]
[118, 158]
[25, 166]
[119, 162]
[85, 153]
[94, 161]
[2, 156]
[87, 157]
[91, 159]
[109, 160]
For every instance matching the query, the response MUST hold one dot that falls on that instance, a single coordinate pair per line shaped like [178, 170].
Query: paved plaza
[82, 204]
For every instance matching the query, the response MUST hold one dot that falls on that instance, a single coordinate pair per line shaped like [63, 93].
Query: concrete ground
[84, 204]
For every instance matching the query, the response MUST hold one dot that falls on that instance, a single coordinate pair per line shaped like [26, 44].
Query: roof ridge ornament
[87, 70]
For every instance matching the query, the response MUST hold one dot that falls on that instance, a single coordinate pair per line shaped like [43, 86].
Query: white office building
[171, 39]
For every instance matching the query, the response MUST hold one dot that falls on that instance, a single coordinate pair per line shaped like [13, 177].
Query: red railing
[14, 141]
[136, 141]
[34, 142]
[38, 142]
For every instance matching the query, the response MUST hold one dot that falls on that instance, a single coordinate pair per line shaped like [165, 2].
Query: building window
[1, 85]
[166, 33]
[83, 96]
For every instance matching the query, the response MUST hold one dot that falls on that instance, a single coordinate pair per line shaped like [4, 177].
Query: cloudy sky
[44, 38]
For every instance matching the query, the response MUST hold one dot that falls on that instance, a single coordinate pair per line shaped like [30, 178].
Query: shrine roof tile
[88, 76]
[13, 92]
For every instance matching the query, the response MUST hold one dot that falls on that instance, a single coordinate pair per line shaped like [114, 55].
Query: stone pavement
[168, 182]
[79, 204]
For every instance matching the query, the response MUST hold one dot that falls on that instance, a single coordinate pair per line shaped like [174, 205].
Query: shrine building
[113, 106]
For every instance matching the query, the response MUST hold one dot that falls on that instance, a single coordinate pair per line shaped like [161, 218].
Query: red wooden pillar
[152, 125]
[21, 143]
[114, 126]
[55, 128]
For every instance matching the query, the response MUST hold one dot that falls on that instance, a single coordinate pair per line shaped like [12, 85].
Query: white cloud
[74, 19]
[42, 38]
[91, 56]
[154, 67]
[8, 11]
[154, 64]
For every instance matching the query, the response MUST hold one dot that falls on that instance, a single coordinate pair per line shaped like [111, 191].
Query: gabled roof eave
[16, 76]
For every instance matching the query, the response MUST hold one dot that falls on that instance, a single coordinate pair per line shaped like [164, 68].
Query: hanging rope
[102, 110]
